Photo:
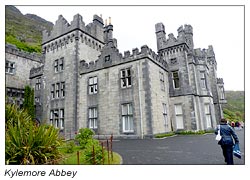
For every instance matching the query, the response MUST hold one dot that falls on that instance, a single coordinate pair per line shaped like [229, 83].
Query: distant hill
[24, 31]
[234, 110]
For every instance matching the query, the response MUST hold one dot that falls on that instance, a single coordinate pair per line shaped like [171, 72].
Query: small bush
[70, 147]
[93, 152]
[83, 136]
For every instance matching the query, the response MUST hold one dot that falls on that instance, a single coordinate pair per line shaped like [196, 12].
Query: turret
[188, 30]
[160, 35]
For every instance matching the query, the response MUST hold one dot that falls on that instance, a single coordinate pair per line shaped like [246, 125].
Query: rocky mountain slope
[24, 31]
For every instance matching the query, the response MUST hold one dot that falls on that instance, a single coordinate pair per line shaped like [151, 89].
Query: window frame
[165, 114]
[176, 79]
[179, 116]
[52, 91]
[10, 67]
[93, 117]
[38, 83]
[127, 118]
[57, 118]
[61, 118]
[203, 80]
[126, 78]
[56, 66]
[59, 65]
[208, 117]
[93, 86]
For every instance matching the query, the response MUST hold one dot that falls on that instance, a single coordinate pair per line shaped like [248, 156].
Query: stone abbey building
[82, 80]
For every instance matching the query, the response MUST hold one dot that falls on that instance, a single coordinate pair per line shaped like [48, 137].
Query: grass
[71, 158]
[184, 133]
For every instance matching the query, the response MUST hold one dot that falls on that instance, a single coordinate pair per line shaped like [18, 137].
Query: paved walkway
[181, 149]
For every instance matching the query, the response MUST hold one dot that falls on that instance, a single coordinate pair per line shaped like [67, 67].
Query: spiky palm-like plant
[27, 143]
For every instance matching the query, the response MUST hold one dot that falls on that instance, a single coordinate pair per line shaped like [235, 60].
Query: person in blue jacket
[229, 138]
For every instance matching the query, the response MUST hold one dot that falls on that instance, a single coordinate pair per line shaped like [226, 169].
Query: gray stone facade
[87, 82]
[17, 72]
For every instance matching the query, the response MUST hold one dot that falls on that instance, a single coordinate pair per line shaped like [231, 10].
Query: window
[10, 67]
[62, 89]
[208, 115]
[38, 84]
[59, 65]
[127, 118]
[164, 112]
[179, 116]
[93, 118]
[58, 90]
[203, 80]
[162, 81]
[93, 85]
[56, 120]
[107, 58]
[56, 66]
[125, 75]
[53, 91]
[173, 61]
[61, 118]
[176, 81]
[51, 117]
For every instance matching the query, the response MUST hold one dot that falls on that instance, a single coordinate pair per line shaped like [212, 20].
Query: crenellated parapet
[34, 72]
[211, 56]
[200, 56]
[219, 81]
[62, 27]
[185, 35]
[12, 49]
[112, 57]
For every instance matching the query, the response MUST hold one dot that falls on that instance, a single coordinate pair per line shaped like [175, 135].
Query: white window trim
[179, 115]
[126, 78]
[93, 118]
[127, 116]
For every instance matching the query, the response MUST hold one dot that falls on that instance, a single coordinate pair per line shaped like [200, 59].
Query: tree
[28, 103]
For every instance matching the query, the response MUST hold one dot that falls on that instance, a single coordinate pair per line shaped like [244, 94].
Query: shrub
[93, 152]
[83, 136]
[27, 143]
[70, 147]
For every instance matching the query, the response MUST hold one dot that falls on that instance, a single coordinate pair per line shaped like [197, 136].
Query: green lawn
[71, 158]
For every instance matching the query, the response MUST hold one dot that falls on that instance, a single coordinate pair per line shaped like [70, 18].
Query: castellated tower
[64, 48]
[190, 86]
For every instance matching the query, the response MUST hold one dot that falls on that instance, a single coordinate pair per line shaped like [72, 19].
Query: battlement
[188, 29]
[220, 81]
[12, 49]
[34, 72]
[62, 27]
[114, 58]
[210, 51]
[185, 34]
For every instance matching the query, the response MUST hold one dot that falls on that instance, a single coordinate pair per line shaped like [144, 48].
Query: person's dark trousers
[228, 153]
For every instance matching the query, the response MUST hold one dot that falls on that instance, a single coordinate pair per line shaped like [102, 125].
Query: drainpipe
[139, 92]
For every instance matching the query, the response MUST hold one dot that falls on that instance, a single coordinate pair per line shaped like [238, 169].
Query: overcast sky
[134, 26]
